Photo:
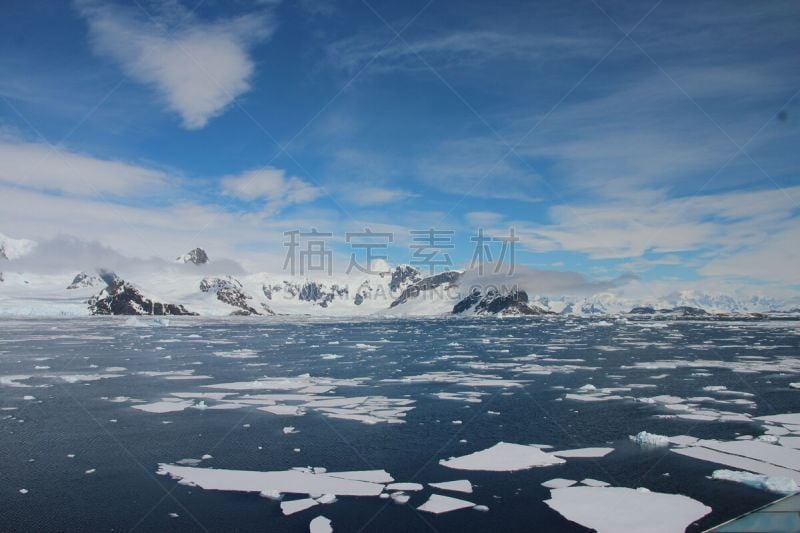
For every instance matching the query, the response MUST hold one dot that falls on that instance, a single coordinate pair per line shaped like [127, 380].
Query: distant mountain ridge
[224, 289]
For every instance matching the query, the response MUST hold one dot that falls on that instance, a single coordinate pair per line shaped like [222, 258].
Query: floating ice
[400, 498]
[643, 438]
[788, 418]
[409, 487]
[589, 482]
[776, 484]
[461, 485]
[295, 506]
[167, 405]
[558, 483]
[503, 457]
[438, 504]
[583, 452]
[320, 525]
[368, 483]
[633, 510]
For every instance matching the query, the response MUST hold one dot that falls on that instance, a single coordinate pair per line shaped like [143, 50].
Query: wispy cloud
[40, 166]
[368, 196]
[452, 49]
[197, 68]
[272, 186]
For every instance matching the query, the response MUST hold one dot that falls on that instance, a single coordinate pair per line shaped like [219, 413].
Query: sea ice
[503, 457]
[776, 484]
[438, 504]
[295, 506]
[583, 452]
[589, 482]
[400, 497]
[643, 438]
[461, 485]
[320, 525]
[168, 405]
[633, 510]
[410, 487]
[366, 483]
[558, 483]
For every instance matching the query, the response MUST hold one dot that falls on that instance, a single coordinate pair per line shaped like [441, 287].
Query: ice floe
[558, 483]
[295, 506]
[583, 452]
[439, 504]
[461, 485]
[320, 525]
[503, 457]
[621, 509]
[776, 484]
[305, 481]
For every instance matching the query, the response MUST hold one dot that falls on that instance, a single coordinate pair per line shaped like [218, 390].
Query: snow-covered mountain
[15, 248]
[193, 285]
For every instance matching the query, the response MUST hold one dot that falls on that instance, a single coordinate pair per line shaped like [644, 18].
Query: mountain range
[195, 284]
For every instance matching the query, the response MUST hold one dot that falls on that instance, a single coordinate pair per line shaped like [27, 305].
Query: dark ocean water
[71, 413]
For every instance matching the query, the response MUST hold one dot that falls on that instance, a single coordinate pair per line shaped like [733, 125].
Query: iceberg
[643, 438]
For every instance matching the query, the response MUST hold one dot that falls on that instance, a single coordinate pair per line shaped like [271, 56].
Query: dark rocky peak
[122, 298]
[198, 256]
[442, 281]
[403, 276]
[229, 290]
[686, 310]
[494, 302]
[642, 310]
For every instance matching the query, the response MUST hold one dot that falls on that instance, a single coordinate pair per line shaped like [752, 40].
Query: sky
[618, 140]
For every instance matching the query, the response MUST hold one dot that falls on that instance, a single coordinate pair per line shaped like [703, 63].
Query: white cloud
[271, 185]
[198, 68]
[365, 196]
[774, 259]
[40, 166]
[738, 234]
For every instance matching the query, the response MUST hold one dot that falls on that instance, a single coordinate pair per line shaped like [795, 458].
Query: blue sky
[649, 138]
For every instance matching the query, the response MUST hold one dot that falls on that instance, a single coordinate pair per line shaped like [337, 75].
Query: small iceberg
[645, 439]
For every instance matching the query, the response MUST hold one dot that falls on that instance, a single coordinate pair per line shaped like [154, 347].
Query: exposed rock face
[83, 280]
[403, 276]
[309, 291]
[121, 298]
[198, 256]
[685, 310]
[229, 290]
[513, 302]
[442, 281]
[2, 279]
